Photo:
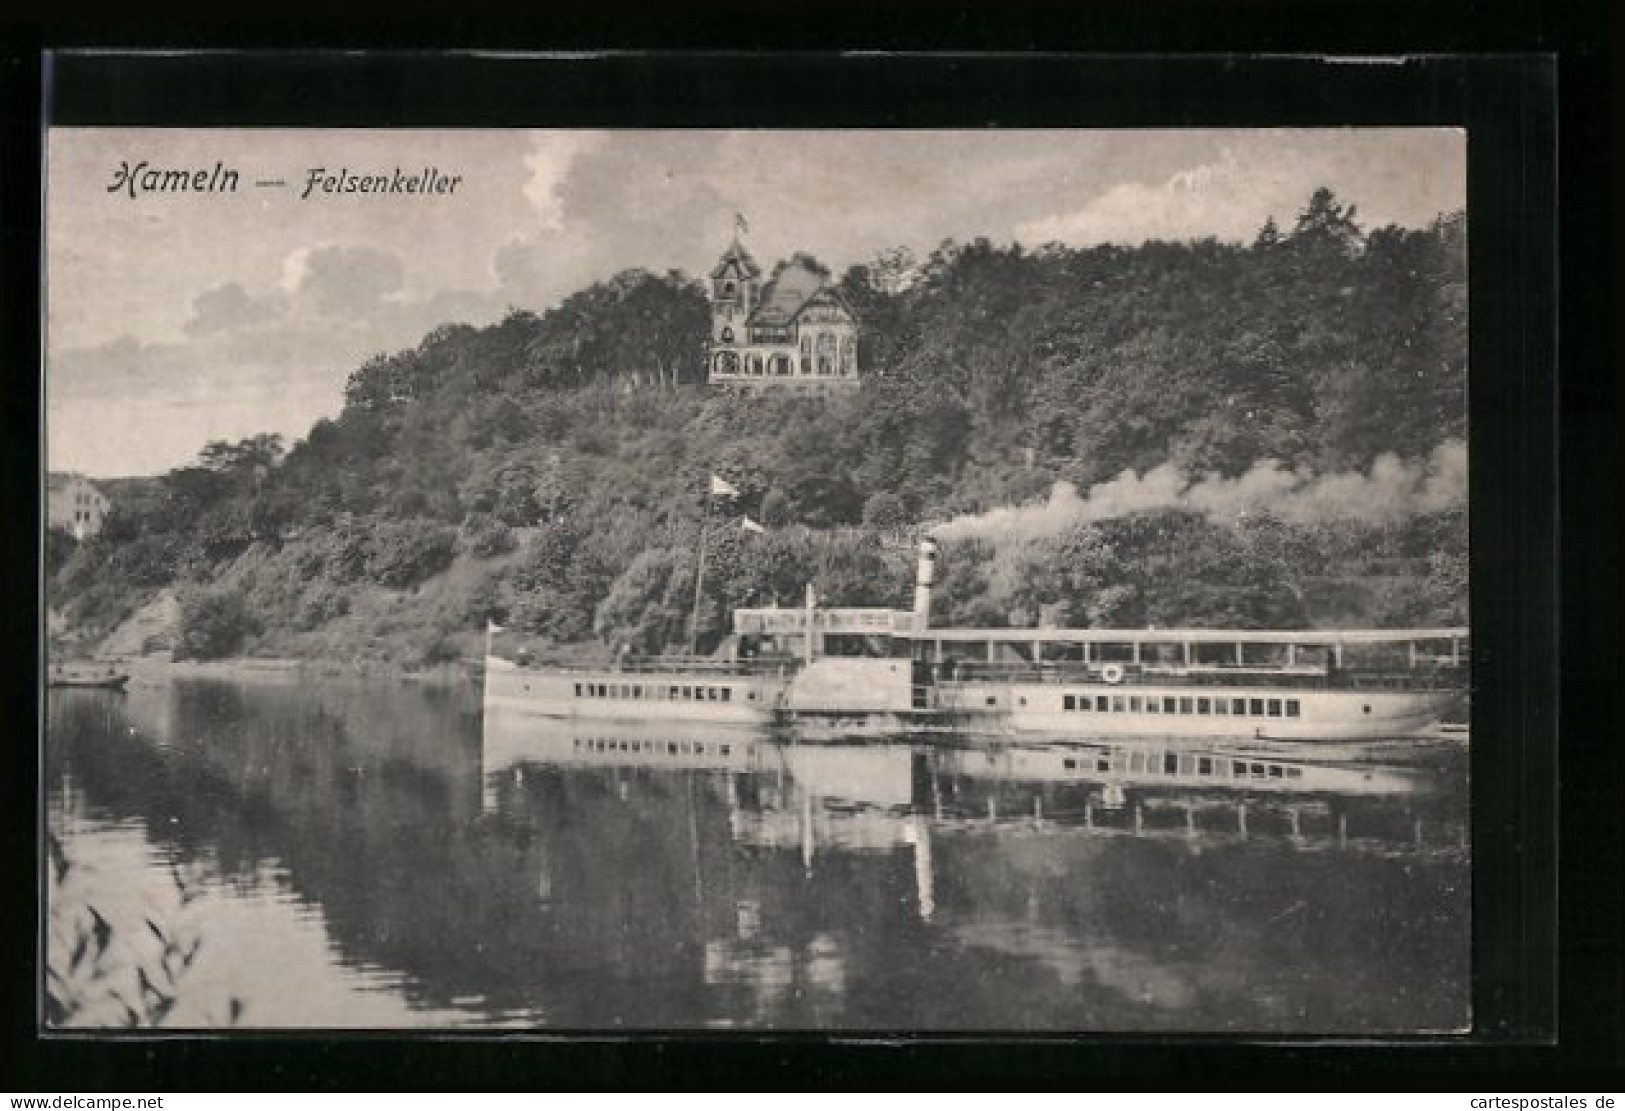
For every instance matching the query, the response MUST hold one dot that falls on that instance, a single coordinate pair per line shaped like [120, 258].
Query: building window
[1184, 705]
[1069, 702]
[1170, 763]
[1117, 703]
[1275, 707]
[1255, 707]
[1152, 705]
[1133, 705]
[1168, 705]
[1069, 764]
[727, 335]
[1100, 703]
[1238, 706]
[1204, 706]
[1204, 765]
[1292, 708]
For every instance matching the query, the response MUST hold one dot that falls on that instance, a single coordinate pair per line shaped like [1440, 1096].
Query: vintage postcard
[638, 580]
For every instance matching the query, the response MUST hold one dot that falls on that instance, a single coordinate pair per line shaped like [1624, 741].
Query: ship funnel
[924, 576]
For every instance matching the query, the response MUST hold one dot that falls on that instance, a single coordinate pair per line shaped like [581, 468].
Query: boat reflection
[879, 796]
[1097, 862]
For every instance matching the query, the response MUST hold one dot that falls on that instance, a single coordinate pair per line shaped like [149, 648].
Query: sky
[176, 318]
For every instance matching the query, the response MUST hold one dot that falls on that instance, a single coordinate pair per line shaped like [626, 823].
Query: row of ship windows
[1134, 704]
[672, 748]
[1172, 763]
[657, 693]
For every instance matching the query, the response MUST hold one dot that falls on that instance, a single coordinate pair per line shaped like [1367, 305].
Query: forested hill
[549, 470]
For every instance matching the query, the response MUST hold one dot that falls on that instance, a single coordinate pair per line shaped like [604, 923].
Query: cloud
[551, 159]
[344, 281]
[228, 306]
[1393, 175]
[1225, 199]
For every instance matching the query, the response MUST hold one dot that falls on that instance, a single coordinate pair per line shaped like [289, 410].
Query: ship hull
[1256, 712]
[627, 696]
[854, 698]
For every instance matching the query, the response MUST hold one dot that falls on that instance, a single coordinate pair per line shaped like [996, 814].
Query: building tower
[735, 292]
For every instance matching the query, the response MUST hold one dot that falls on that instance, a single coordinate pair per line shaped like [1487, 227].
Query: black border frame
[1509, 105]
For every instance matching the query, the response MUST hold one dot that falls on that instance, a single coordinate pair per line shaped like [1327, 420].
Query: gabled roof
[789, 293]
[827, 295]
[61, 480]
[736, 254]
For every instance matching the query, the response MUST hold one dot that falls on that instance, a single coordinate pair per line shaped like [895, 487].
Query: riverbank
[157, 669]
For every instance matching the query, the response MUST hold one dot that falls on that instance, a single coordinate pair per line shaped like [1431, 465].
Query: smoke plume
[1391, 491]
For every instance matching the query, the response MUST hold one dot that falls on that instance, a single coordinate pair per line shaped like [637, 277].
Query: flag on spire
[722, 488]
[741, 227]
[748, 525]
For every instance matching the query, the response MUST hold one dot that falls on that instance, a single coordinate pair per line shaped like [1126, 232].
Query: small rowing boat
[88, 680]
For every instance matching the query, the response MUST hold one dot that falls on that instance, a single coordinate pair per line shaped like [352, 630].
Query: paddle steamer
[870, 671]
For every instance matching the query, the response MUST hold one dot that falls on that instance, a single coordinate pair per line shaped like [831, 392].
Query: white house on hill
[794, 333]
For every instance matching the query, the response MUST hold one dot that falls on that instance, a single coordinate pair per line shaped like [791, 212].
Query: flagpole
[699, 580]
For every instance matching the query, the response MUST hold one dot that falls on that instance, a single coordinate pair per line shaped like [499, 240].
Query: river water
[299, 854]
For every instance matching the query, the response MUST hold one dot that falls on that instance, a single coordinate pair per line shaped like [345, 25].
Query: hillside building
[74, 505]
[793, 334]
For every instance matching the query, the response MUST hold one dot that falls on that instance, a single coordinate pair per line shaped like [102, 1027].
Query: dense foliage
[549, 471]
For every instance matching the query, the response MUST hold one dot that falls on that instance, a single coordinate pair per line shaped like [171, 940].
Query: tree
[649, 604]
[401, 553]
[213, 623]
[59, 548]
[1268, 236]
[886, 512]
[1326, 224]
[775, 509]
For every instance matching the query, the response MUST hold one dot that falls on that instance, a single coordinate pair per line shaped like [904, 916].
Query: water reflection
[515, 870]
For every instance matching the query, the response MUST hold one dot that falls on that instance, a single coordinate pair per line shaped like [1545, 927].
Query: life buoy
[1112, 673]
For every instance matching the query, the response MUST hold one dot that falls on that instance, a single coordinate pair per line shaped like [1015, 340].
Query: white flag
[722, 488]
[492, 626]
[748, 525]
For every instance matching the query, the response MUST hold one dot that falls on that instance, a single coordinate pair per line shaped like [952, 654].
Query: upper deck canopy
[904, 623]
